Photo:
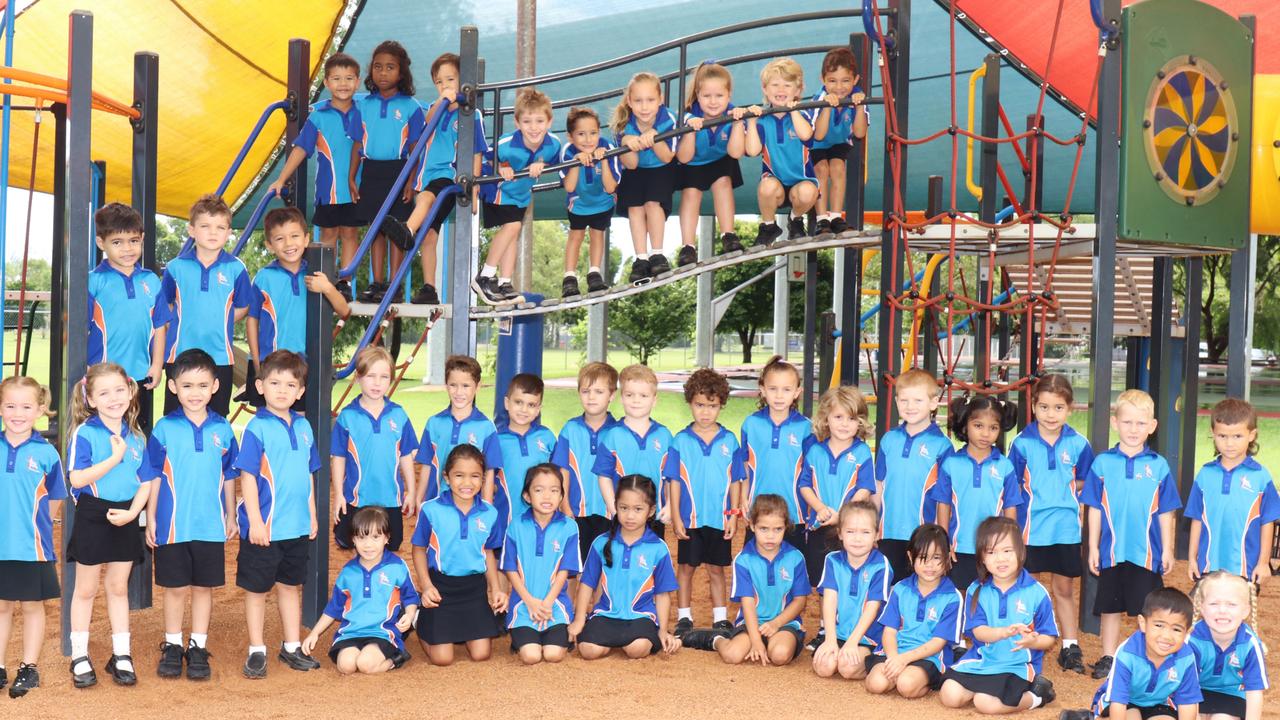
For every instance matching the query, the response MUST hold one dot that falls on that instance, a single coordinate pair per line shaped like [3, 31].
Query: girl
[855, 583]
[28, 486]
[1051, 461]
[631, 567]
[1233, 672]
[976, 481]
[371, 452]
[709, 159]
[644, 193]
[453, 548]
[834, 129]
[105, 452]
[774, 439]
[921, 621]
[392, 119]
[539, 556]
[1009, 617]
[589, 193]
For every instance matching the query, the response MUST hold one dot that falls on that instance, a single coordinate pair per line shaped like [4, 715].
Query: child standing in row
[1231, 657]
[787, 178]
[577, 452]
[834, 129]
[774, 441]
[525, 442]
[637, 444]
[649, 179]
[709, 159]
[589, 192]
[461, 422]
[855, 583]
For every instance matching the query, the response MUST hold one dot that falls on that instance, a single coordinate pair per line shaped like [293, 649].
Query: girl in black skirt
[709, 159]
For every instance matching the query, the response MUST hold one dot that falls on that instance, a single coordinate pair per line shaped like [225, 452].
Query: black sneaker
[639, 271]
[118, 674]
[722, 626]
[373, 293]
[255, 666]
[816, 642]
[957, 652]
[1071, 658]
[28, 679]
[425, 295]
[1075, 715]
[297, 660]
[171, 657]
[397, 296]
[397, 232]
[1102, 668]
[595, 282]
[1042, 688]
[659, 264]
[688, 255]
[795, 228]
[683, 625]
[486, 289]
[4, 678]
[344, 289]
[729, 242]
[768, 233]
[569, 286]
[703, 638]
[508, 295]
[824, 227]
[88, 678]
[197, 662]
[400, 659]
[838, 225]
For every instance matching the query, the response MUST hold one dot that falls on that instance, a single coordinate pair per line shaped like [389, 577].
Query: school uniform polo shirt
[204, 301]
[918, 618]
[538, 553]
[840, 124]
[1132, 493]
[854, 588]
[519, 453]
[90, 444]
[456, 540]
[280, 306]
[665, 120]
[367, 603]
[785, 156]
[1025, 603]
[705, 472]
[773, 584]
[440, 156]
[709, 144]
[907, 465]
[625, 452]
[281, 455]
[389, 126]
[1135, 681]
[640, 572]
[576, 451]
[835, 478]
[1047, 474]
[443, 433]
[192, 463]
[773, 455]
[124, 311]
[515, 153]
[975, 491]
[31, 479]
[589, 196]
[1232, 506]
[328, 134]
[372, 448]
[1239, 668]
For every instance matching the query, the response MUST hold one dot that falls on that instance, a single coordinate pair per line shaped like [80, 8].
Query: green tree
[650, 321]
[39, 275]
[752, 308]
[1217, 308]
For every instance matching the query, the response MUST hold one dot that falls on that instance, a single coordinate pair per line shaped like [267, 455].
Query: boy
[524, 442]
[1152, 668]
[209, 291]
[786, 177]
[907, 466]
[461, 422]
[1131, 497]
[578, 447]
[276, 461]
[529, 147]
[703, 472]
[331, 128]
[190, 456]
[637, 444]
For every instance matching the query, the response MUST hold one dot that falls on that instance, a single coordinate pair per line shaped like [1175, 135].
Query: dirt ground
[688, 684]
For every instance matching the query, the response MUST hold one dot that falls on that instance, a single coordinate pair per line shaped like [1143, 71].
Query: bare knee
[590, 651]
[371, 662]
[531, 654]
[953, 695]
[825, 666]
[553, 653]
[348, 663]
[780, 655]
[441, 655]
[479, 650]
[638, 649]
[876, 683]
[989, 705]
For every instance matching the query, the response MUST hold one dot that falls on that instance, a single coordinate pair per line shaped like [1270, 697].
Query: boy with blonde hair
[787, 178]
[577, 448]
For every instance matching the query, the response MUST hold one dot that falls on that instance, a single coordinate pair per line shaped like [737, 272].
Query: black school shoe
[486, 288]
[595, 282]
[118, 674]
[508, 295]
[425, 295]
[838, 225]
[197, 662]
[1075, 715]
[703, 638]
[569, 286]
[344, 289]
[824, 227]
[397, 232]
[298, 660]
[816, 642]
[683, 625]
[374, 293]
[28, 679]
[768, 233]
[89, 678]
[795, 228]
[729, 242]
[688, 255]
[1042, 688]
[171, 657]
[1071, 658]
[639, 271]
[1102, 668]
[4, 678]
[255, 666]
[659, 264]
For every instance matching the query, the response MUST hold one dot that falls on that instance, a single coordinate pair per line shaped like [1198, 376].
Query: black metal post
[299, 96]
[854, 206]
[1030, 354]
[1035, 155]
[1133, 359]
[987, 213]
[319, 400]
[58, 258]
[1241, 281]
[460, 253]
[810, 330]
[146, 93]
[1186, 468]
[929, 328]
[1160, 381]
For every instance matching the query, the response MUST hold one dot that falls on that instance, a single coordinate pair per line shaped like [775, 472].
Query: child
[525, 442]
[371, 453]
[921, 621]
[539, 555]
[1155, 674]
[128, 314]
[1051, 460]
[834, 129]
[704, 472]
[977, 481]
[1131, 498]
[190, 513]
[578, 447]
[907, 466]
[461, 422]
[28, 565]
[637, 444]
[332, 127]
[589, 192]
[1009, 618]
[530, 147]
[855, 583]
[786, 178]
[1231, 657]
[631, 567]
[709, 158]
[209, 292]
[277, 514]
[644, 192]
[392, 121]
[453, 547]
[774, 441]
[373, 614]
[105, 452]
[1233, 503]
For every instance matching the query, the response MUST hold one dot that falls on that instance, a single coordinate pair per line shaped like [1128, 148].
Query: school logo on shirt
[924, 451]
[1146, 469]
[555, 546]
[542, 446]
[1020, 607]
[146, 288]
[849, 457]
[383, 579]
[398, 116]
[217, 441]
[1066, 458]
[471, 439]
[657, 445]
[994, 472]
[133, 453]
[222, 279]
[932, 614]
[643, 562]
[785, 573]
[392, 424]
[791, 438]
[1173, 675]
[480, 525]
[1245, 484]
[32, 465]
[724, 450]
[791, 134]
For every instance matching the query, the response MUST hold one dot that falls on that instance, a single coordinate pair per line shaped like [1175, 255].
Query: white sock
[655, 252]
[258, 649]
[571, 274]
[1068, 643]
[120, 646]
[292, 646]
[593, 269]
[504, 281]
[489, 271]
[173, 638]
[1036, 701]
[199, 639]
[80, 649]
[719, 613]
[684, 614]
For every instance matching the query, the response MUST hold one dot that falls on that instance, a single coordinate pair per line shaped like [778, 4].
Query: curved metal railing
[248, 143]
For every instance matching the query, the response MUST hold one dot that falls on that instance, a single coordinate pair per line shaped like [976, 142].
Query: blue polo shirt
[588, 196]
[854, 588]
[456, 541]
[281, 456]
[368, 603]
[771, 583]
[90, 444]
[576, 451]
[1239, 668]
[328, 134]
[443, 433]
[513, 152]
[372, 448]
[1134, 681]
[975, 491]
[124, 311]
[442, 148]
[907, 465]
[840, 126]
[32, 478]
[709, 144]
[1233, 506]
[519, 453]
[204, 301]
[623, 452]
[389, 126]
[917, 618]
[1132, 493]
[785, 156]
[1026, 603]
[835, 478]
[193, 463]
[1048, 473]
[773, 455]
[705, 472]
[640, 572]
[280, 306]
[537, 553]
[665, 120]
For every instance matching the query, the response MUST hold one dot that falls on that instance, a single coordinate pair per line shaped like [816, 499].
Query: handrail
[248, 143]
[254, 218]
[100, 100]
[868, 13]
[974, 188]
[1104, 28]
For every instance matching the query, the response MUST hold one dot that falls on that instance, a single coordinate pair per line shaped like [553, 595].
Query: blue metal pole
[4, 163]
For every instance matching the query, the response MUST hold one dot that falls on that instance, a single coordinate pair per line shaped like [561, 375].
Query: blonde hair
[844, 397]
[1136, 399]
[22, 382]
[530, 100]
[854, 507]
[622, 113]
[371, 355]
[916, 377]
[1222, 576]
[704, 72]
[82, 411]
[785, 68]
[593, 371]
[776, 364]
[638, 373]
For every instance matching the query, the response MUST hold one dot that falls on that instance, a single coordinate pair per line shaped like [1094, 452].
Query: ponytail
[633, 483]
[81, 411]
[622, 113]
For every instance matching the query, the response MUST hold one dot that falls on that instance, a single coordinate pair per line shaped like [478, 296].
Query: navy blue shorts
[339, 215]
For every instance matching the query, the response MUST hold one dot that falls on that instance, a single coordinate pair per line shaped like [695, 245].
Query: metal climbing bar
[254, 218]
[248, 143]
